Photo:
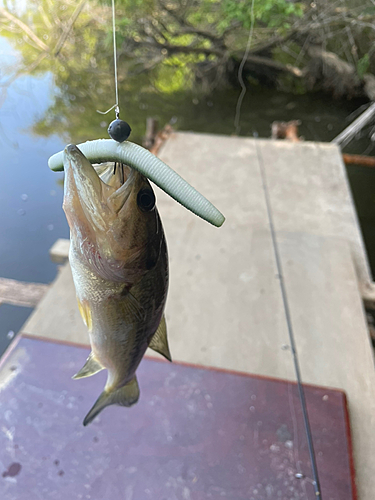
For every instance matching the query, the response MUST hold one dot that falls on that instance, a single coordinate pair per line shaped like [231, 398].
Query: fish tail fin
[127, 395]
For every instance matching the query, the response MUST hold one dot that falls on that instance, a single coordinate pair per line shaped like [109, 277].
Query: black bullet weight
[119, 130]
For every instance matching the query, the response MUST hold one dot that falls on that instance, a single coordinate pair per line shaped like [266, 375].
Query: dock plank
[59, 251]
[21, 293]
[310, 193]
[57, 315]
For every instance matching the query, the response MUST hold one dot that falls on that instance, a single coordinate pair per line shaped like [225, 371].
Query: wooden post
[364, 161]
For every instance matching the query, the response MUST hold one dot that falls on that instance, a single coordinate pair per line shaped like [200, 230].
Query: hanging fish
[118, 253]
[119, 261]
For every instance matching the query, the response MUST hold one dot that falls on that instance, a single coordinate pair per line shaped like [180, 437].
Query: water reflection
[80, 58]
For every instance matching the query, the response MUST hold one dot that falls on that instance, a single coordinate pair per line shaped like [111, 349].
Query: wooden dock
[225, 307]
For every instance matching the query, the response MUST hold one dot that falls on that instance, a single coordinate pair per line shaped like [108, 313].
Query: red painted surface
[195, 434]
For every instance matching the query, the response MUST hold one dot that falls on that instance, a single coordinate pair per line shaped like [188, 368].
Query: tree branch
[29, 32]
[187, 28]
[277, 66]
[182, 49]
[271, 44]
[60, 43]
[206, 34]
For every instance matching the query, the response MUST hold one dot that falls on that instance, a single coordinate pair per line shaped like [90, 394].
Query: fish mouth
[101, 192]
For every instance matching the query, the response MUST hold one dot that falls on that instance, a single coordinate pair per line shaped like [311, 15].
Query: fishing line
[240, 72]
[116, 106]
[288, 318]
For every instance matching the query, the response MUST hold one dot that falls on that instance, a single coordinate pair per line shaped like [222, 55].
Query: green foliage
[174, 75]
[205, 12]
[363, 65]
[272, 13]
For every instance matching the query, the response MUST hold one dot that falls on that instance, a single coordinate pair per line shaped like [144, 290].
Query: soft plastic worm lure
[139, 158]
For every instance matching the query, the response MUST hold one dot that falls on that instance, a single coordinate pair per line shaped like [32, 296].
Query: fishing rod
[293, 347]
[288, 319]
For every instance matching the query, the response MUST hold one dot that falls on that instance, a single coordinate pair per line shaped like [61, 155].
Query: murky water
[43, 110]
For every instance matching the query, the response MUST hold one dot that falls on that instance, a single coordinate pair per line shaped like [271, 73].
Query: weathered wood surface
[57, 315]
[363, 160]
[310, 194]
[59, 251]
[195, 434]
[224, 307]
[20, 293]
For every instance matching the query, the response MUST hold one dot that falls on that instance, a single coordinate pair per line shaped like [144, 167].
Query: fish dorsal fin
[91, 367]
[127, 395]
[159, 341]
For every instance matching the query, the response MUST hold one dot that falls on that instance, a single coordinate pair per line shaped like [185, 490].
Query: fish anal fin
[127, 395]
[91, 367]
[159, 341]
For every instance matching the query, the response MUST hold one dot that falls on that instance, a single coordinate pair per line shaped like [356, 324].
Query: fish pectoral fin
[85, 312]
[133, 306]
[91, 367]
[159, 341]
[127, 395]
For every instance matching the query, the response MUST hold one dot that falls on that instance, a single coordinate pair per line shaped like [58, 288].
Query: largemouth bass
[119, 261]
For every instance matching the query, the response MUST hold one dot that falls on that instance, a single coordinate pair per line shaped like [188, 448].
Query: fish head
[112, 217]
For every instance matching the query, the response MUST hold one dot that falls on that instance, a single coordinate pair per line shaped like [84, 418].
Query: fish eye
[146, 200]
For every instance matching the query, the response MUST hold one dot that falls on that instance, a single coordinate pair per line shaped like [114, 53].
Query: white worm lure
[151, 167]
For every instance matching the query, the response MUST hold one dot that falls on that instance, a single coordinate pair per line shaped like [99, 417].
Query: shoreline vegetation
[298, 46]
[174, 46]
